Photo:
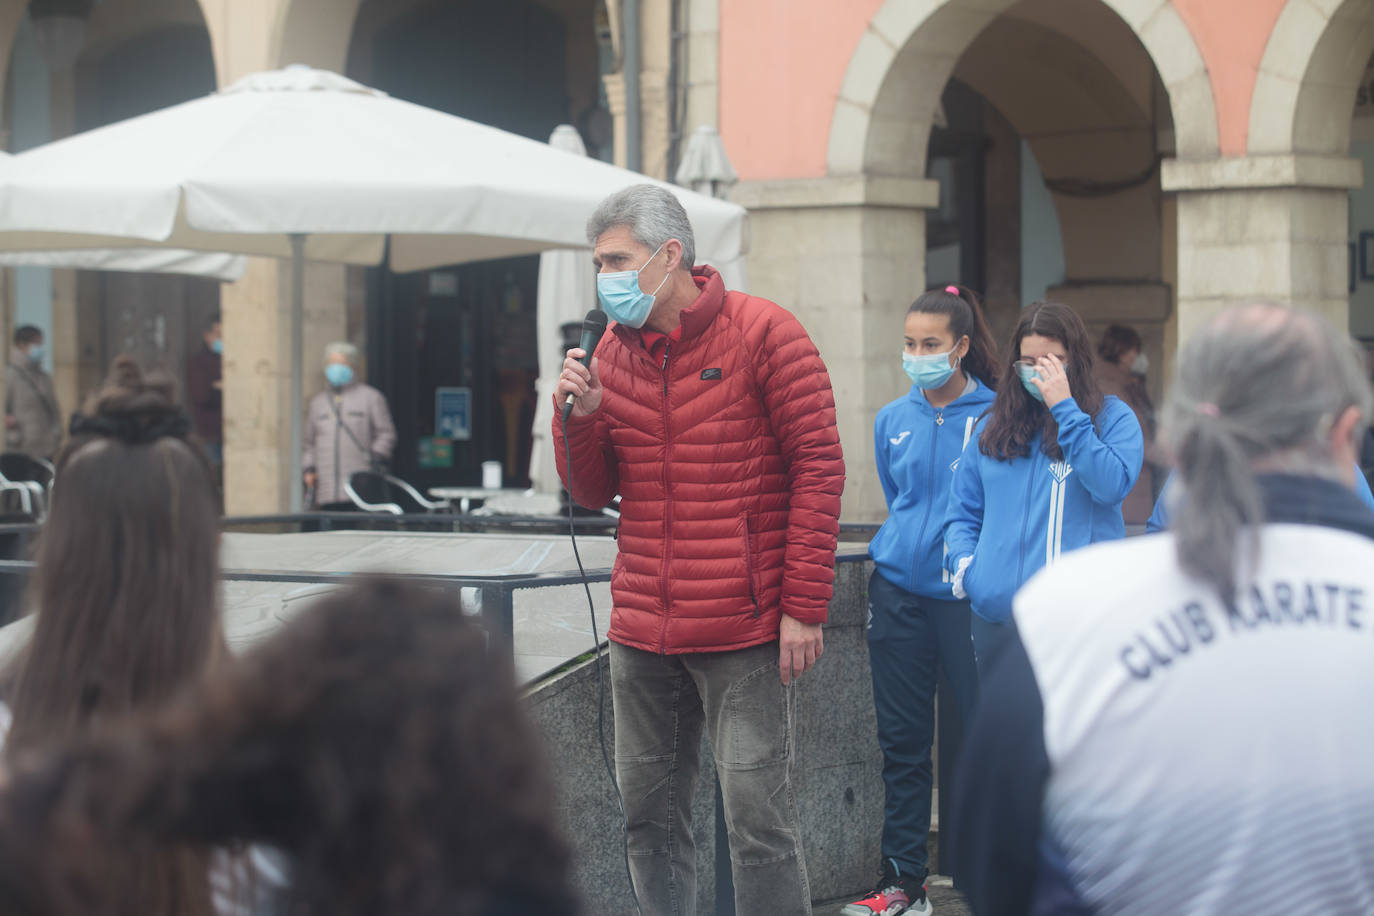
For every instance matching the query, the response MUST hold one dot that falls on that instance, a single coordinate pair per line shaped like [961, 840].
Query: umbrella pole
[297, 368]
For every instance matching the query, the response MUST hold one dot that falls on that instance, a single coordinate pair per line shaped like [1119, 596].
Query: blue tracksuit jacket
[1015, 517]
[917, 448]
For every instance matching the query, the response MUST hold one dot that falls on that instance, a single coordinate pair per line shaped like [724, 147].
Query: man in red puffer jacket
[710, 413]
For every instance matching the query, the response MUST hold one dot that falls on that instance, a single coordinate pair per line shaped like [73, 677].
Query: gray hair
[651, 213]
[344, 349]
[1257, 391]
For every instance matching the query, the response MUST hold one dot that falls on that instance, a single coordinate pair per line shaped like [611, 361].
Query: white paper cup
[491, 475]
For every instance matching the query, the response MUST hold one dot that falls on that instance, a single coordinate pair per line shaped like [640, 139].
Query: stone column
[256, 322]
[64, 336]
[847, 256]
[255, 311]
[703, 65]
[1262, 229]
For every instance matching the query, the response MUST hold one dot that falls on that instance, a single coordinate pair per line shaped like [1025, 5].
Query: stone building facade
[1147, 161]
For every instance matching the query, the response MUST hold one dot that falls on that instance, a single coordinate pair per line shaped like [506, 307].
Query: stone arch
[883, 113]
[1305, 91]
[1082, 123]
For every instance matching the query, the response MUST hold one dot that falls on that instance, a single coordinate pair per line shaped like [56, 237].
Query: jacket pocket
[749, 570]
[970, 586]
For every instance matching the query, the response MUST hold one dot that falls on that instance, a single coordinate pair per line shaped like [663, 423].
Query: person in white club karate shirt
[1181, 723]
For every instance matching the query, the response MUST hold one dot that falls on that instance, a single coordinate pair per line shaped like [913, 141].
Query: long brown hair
[1017, 419]
[964, 311]
[125, 591]
[377, 740]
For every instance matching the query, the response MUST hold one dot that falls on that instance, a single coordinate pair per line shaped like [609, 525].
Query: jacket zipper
[667, 506]
[1021, 542]
[930, 488]
[749, 563]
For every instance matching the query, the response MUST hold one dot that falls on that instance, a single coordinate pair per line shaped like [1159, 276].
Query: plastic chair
[372, 491]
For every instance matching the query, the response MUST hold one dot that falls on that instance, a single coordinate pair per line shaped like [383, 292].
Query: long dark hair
[1019, 419]
[125, 591]
[964, 310]
[376, 740]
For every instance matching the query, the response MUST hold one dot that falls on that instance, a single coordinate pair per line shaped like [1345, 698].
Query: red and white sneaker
[895, 895]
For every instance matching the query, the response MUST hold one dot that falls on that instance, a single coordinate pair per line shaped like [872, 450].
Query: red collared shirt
[657, 342]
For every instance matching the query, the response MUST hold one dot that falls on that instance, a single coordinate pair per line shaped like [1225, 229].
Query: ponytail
[1219, 508]
[964, 310]
[1257, 388]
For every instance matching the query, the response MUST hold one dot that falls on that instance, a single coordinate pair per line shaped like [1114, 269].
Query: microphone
[593, 326]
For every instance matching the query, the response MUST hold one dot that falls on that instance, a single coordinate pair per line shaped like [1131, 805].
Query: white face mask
[1141, 364]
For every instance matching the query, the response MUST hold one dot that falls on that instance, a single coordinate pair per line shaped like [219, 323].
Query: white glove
[959, 577]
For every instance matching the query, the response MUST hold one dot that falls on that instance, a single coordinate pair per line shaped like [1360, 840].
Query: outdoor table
[465, 495]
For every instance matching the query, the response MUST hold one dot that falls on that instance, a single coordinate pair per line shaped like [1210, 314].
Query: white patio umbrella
[567, 289]
[306, 164]
[224, 267]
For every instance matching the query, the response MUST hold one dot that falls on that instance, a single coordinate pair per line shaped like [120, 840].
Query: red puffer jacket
[728, 465]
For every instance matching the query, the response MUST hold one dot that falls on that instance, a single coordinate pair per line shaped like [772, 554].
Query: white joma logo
[897, 439]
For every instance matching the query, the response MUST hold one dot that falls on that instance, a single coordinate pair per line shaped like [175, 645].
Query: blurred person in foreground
[375, 741]
[711, 414]
[1171, 707]
[125, 594]
[33, 421]
[348, 428]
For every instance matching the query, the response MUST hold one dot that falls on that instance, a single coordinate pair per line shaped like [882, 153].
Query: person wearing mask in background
[915, 624]
[33, 421]
[204, 389]
[1169, 708]
[710, 412]
[348, 429]
[1120, 371]
[1044, 473]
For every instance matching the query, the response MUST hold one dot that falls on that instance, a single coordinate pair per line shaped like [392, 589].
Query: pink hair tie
[952, 290]
[1209, 409]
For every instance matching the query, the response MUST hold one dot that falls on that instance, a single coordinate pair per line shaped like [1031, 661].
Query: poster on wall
[453, 413]
[434, 452]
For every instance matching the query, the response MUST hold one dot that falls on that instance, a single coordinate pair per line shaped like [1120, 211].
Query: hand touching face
[1053, 380]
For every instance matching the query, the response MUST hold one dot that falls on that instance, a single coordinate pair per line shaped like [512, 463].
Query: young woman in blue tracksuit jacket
[916, 625]
[1045, 471]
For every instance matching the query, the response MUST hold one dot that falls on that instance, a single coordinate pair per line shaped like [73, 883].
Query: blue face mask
[1027, 373]
[217, 347]
[338, 374]
[36, 353]
[928, 372]
[622, 298]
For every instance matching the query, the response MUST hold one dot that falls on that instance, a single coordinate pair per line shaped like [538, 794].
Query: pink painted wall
[1232, 35]
[782, 63]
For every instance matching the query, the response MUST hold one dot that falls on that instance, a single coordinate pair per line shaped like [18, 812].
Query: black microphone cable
[600, 679]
